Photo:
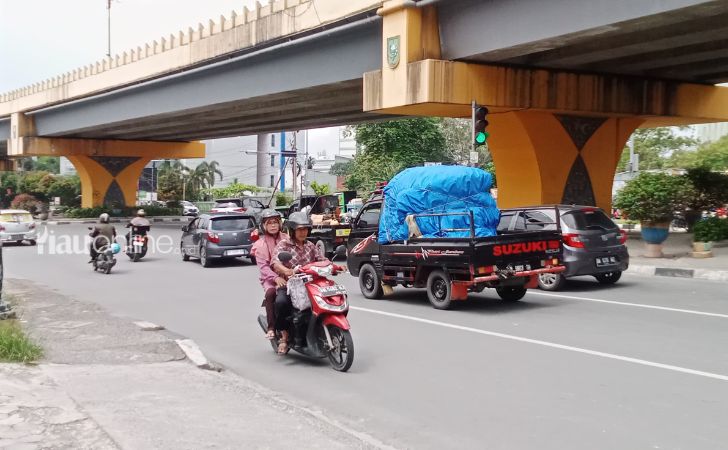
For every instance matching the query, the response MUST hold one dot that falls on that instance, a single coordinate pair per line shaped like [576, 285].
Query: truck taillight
[622, 236]
[573, 240]
[550, 262]
[212, 237]
[485, 270]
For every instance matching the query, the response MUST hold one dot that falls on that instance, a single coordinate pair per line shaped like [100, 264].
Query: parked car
[188, 208]
[17, 225]
[218, 236]
[238, 205]
[593, 244]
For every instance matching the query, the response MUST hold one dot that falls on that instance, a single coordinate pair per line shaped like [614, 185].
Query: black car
[593, 244]
[218, 236]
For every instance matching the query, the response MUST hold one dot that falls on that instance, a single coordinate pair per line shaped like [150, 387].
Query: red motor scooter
[325, 322]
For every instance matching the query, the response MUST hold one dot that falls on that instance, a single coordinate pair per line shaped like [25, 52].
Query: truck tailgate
[519, 248]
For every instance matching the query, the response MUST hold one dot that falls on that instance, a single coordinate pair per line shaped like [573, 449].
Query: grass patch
[15, 345]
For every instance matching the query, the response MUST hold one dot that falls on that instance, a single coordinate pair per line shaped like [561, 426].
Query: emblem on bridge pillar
[579, 189]
[393, 51]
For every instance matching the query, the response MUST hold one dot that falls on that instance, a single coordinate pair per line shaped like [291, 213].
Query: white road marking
[637, 305]
[548, 344]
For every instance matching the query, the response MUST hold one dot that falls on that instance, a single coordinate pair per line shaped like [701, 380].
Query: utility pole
[108, 28]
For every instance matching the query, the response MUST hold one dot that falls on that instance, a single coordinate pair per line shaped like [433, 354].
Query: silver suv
[593, 244]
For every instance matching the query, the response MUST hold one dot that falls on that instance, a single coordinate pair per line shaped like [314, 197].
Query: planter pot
[654, 234]
[702, 246]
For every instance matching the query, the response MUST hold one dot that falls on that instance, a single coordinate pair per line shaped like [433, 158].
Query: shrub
[710, 229]
[93, 213]
[653, 197]
[26, 202]
[283, 199]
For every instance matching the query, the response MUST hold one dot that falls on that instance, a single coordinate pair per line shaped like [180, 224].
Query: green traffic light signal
[481, 137]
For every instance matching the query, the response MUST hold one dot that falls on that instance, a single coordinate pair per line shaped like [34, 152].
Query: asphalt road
[643, 364]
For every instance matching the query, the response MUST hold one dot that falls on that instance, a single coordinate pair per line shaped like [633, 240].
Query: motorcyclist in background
[103, 234]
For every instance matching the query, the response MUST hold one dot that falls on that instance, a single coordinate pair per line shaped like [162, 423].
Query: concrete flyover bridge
[567, 81]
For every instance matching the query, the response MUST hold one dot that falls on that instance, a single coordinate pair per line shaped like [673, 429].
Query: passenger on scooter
[264, 250]
[141, 223]
[140, 220]
[303, 252]
[103, 234]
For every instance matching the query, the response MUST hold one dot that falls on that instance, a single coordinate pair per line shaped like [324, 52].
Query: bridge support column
[543, 157]
[109, 170]
[108, 180]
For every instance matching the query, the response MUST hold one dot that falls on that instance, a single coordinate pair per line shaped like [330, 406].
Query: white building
[710, 132]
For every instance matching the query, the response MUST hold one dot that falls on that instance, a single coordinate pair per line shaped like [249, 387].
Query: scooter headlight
[323, 304]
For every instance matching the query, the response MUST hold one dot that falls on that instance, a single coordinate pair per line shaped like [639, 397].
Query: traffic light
[479, 125]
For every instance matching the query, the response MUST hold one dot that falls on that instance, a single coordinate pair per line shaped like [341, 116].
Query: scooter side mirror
[285, 257]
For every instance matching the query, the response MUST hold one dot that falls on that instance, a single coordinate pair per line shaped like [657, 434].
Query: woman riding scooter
[303, 252]
[264, 250]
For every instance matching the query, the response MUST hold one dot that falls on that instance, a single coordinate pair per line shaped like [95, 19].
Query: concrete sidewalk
[105, 383]
[677, 261]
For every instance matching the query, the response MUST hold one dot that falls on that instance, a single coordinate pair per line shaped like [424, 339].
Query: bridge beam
[109, 169]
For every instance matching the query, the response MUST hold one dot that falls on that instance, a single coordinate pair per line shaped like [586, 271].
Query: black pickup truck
[450, 268]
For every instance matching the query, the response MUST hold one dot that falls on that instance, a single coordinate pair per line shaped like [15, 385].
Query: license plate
[516, 268]
[330, 291]
[607, 261]
[236, 252]
[17, 237]
[138, 244]
[344, 232]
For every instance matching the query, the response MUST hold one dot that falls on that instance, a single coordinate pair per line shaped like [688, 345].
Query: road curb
[193, 352]
[679, 272]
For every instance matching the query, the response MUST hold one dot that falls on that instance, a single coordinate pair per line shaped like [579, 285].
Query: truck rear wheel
[511, 293]
[369, 282]
[439, 289]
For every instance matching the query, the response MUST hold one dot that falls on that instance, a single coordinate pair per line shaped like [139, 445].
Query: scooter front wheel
[341, 356]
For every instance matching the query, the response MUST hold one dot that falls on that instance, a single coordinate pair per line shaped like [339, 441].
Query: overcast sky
[43, 38]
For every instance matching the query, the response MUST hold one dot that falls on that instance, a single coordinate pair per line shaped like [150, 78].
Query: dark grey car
[217, 236]
[593, 244]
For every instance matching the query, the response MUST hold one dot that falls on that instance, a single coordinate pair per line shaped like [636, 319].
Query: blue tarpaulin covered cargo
[438, 189]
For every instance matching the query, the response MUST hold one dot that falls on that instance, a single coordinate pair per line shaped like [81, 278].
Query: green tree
[50, 164]
[231, 190]
[67, 188]
[712, 155]
[320, 189]
[656, 146]
[385, 148]
[342, 169]
[170, 184]
[458, 135]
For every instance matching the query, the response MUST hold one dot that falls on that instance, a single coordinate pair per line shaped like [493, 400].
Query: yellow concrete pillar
[544, 158]
[109, 169]
[108, 180]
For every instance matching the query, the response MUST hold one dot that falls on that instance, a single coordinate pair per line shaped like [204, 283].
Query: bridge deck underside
[321, 106]
[646, 38]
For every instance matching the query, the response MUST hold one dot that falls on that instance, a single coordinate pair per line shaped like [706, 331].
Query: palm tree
[202, 177]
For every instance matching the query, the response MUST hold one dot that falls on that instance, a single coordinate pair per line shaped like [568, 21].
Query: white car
[17, 225]
[189, 209]
[238, 205]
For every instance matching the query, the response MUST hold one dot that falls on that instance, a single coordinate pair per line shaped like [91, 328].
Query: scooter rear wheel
[341, 356]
